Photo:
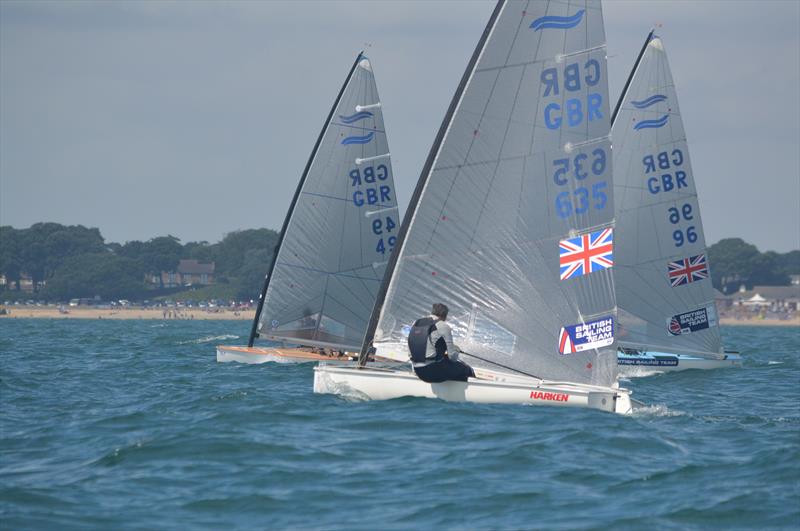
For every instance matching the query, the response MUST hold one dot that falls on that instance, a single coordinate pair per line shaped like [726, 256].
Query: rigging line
[501, 365]
[359, 127]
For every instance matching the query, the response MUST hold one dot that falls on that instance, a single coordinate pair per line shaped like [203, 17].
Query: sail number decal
[385, 226]
[583, 198]
[369, 187]
[679, 235]
[666, 182]
[574, 78]
[371, 195]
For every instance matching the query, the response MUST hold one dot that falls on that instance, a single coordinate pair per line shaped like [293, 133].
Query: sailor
[433, 353]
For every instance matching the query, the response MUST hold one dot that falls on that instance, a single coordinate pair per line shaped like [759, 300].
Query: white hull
[489, 388]
[255, 355]
[660, 362]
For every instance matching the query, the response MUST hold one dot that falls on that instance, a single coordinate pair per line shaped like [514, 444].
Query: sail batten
[324, 279]
[664, 291]
[517, 184]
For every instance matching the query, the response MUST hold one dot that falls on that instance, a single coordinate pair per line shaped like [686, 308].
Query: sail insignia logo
[652, 124]
[554, 22]
[586, 336]
[355, 117]
[647, 102]
[692, 321]
[366, 139]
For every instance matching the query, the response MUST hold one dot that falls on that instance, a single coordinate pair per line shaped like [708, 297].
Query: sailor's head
[439, 310]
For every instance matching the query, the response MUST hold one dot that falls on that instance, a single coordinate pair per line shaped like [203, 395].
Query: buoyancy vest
[419, 337]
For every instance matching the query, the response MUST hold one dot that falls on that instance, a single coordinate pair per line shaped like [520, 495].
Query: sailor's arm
[447, 334]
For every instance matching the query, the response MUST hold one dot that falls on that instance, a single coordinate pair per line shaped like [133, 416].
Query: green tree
[11, 254]
[96, 274]
[732, 261]
[160, 254]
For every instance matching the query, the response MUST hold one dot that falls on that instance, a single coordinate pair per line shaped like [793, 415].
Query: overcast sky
[196, 118]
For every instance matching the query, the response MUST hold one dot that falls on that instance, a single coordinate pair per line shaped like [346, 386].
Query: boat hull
[489, 388]
[665, 362]
[243, 354]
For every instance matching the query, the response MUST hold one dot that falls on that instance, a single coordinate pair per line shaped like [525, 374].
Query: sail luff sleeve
[424, 175]
[254, 329]
[630, 77]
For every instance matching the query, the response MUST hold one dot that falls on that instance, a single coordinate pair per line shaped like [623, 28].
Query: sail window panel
[298, 301]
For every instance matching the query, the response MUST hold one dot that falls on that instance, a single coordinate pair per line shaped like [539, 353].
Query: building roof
[771, 293]
[193, 267]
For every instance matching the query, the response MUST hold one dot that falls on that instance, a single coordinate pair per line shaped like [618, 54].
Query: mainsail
[510, 224]
[661, 272]
[339, 231]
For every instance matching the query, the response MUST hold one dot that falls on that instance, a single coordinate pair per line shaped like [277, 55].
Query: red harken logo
[551, 397]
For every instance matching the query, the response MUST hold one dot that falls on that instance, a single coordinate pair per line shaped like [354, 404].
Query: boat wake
[207, 339]
[637, 372]
[657, 410]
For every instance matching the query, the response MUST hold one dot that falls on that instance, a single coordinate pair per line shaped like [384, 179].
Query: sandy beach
[39, 312]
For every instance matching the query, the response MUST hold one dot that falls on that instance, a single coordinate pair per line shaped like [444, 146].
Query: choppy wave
[132, 426]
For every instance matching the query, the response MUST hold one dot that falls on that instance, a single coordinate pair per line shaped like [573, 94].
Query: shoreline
[225, 314]
[159, 314]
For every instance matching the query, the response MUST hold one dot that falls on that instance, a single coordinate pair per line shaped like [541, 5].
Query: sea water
[133, 424]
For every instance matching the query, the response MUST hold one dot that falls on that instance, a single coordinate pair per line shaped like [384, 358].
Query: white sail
[661, 271]
[340, 229]
[511, 222]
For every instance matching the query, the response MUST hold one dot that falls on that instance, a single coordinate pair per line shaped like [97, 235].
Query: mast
[630, 76]
[423, 179]
[261, 297]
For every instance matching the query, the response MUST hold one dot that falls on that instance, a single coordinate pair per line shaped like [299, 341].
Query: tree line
[75, 262]
[65, 262]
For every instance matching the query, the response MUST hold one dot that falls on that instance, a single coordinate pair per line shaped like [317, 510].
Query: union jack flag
[687, 270]
[586, 253]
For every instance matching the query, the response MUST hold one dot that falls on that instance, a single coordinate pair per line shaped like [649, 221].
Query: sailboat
[510, 225]
[668, 320]
[335, 241]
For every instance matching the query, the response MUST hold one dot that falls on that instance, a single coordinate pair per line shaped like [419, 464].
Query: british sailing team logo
[692, 321]
[554, 22]
[586, 336]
